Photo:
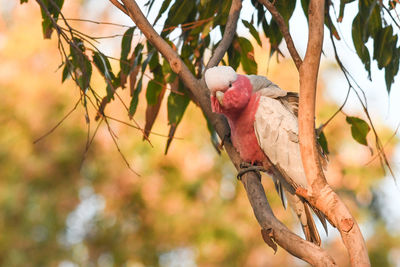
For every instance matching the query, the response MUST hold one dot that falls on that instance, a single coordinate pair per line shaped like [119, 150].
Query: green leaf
[50, 10]
[341, 8]
[154, 88]
[23, 1]
[110, 92]
[384, 42]
[374, 20]
[359, 129]
[163, 8]
[323, 142]
[125, 49]
[234, 54]
[273, 33]
[392, 69]
[178, 12]
[176, 106]
[358, 41]
[253, 31]
[213, 135]
[84, 79]
[247, 56]
[66, 72]
[135, 98]
[81, 64]
[286, 8]
[104, 66]
[138, 56]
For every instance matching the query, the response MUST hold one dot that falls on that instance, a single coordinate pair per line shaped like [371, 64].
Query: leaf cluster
[190, 27]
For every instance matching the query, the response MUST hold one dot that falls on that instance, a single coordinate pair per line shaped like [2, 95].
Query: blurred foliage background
[62, 206]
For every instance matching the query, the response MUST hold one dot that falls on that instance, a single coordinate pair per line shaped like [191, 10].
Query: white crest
[218, 78]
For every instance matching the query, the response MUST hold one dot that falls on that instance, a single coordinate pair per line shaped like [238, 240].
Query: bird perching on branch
[264, 130]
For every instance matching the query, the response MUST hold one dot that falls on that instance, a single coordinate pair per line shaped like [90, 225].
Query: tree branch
[229, 32]
[320, 194]
[279, 232]
[284, 30]
[119, 6]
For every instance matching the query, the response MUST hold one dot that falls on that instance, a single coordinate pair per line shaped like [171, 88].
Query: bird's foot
[246, 167]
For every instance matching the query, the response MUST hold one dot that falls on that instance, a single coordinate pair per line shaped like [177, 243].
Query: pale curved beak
[220, 97]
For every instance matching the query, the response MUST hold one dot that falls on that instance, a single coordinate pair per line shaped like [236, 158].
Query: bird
[264, 130]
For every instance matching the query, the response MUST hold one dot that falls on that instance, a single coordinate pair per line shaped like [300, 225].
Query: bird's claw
[226, 137]
[246, 167]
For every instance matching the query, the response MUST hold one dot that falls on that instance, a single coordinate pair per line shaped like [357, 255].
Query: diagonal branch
[119, 6]
[284, 30]
[229, 32]
[320, 194]
[279, 232]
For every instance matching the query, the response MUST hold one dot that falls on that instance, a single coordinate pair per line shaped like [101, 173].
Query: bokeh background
[61, 205]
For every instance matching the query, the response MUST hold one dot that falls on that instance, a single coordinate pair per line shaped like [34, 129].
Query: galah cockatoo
[264, 130]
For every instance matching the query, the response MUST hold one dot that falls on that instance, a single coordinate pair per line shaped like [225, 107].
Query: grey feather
[265, 87]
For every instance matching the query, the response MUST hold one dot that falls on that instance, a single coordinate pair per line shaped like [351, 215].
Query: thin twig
[229, 33]
[59, 123]
[135, 127]
[98, 22]
[113, 137]
[284, 30]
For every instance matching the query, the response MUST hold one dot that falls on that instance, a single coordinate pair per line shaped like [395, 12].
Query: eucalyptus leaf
[359, 129]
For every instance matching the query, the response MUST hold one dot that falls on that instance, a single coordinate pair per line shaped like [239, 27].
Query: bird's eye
[230, 84]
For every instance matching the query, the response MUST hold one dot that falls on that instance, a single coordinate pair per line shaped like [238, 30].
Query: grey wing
[265, 87]
[276, 130]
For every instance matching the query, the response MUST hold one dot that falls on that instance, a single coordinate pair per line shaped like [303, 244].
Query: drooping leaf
[163, 8]
[103, 65]
[273, 33]
[50, 11]
[135, 98]
[392, 69]
[152, 112]
[384, 42]
[81, 64]
[234, 54]
[178, 13]
[358, 41]
[154, 88]
[176, 106]
[125, 49]
[213, 135]
[253, 31]
[359, 129]
[323, 142]
[374, 20]
[110, 92]
[66, 71]
[286, 9]
[341, 8]
[247, 56]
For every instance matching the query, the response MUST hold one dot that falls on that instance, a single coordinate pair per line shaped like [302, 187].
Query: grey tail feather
[279, 189]
[321, 218]
[310, 230]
